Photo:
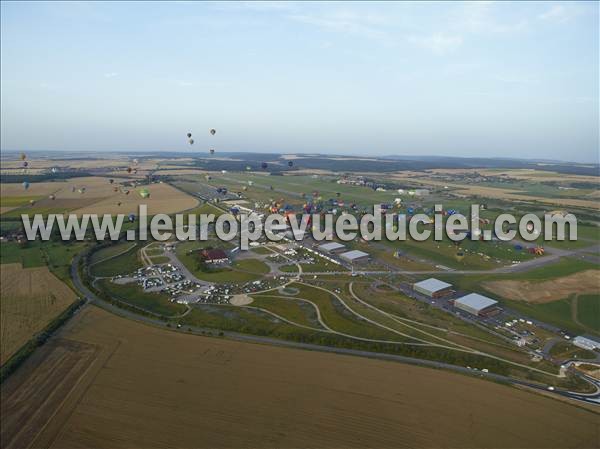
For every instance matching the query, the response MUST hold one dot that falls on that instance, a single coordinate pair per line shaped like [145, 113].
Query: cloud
[438, 43]
[111, 75]
[479, 18]
[559, 13]
[348, 22]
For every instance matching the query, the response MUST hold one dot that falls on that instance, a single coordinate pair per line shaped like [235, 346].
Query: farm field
[99, 197]
[29, 299]
[104, 401]
[546, 291]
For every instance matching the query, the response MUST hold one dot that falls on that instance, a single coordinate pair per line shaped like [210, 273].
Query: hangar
[355, 256]
[332, 247]
[434, 288]
[477, 304]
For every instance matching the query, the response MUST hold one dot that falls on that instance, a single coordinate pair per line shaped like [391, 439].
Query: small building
[477, 304]
[332, 247]
[434, 288]
[214, 256]
[587, 342]
[355, 256]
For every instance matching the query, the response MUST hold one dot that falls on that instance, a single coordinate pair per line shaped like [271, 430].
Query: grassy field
[110, 252]
[244, 270]
[244, 391]
[588, 311]
[56, 255]
[133, 294]
[125, 263]
[564, 350]
[29, 299]
[296, 311]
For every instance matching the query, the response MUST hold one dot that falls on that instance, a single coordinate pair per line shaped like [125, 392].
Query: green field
[297, 311]
[125, 263]
[56, 255]
[134, 295]
[588, 311]
[110, 251]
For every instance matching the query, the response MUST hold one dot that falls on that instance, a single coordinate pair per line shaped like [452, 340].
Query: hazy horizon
[489, 80]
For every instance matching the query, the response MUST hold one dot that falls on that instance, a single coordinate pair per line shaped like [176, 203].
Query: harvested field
[43, 387]
[165, 389]
[29, 299]
[163, 199]
[547, 291]
[497, 193]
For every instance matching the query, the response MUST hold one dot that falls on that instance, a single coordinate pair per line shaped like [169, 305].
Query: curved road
[90, 297]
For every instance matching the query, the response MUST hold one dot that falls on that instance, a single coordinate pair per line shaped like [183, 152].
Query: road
[90, 297]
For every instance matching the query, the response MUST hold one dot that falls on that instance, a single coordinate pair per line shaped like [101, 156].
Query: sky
[480, 79]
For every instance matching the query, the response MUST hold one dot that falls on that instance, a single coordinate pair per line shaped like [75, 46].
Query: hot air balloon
[25, 185]
[264, 165]
[189, 135]
[144, 193]
[213, 131]
[191, 141]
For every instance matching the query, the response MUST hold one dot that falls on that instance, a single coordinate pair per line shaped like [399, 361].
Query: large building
[214, 256]
[355, 256]
[332, 247]
[477, 304]
[587, 342]
[434, 288]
